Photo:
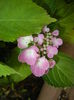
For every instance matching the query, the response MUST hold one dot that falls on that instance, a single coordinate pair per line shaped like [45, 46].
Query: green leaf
[53, 7]
[20, 18]
[12, 70]
[67, 24]
[62, 75]
[6, 70]
[22, 69]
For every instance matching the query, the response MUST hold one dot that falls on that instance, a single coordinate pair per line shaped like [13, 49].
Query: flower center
[30, 53]
[39, 63]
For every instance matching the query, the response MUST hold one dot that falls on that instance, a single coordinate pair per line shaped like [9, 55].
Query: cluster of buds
[39, 51]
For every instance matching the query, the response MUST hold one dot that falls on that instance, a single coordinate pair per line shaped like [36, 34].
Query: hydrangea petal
[51, 51]
[60, 42]
[57, 42]
[40, 39]
[28, 56]
[35, 48]
[55, 33]
[45, 29]
[40, 36]
[40, 67]
[24, 41]
[52, 63]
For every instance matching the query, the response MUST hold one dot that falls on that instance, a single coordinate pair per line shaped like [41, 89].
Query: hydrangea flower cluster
[39, 51]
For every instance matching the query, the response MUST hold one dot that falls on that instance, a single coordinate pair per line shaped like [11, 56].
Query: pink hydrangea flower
[57, 42]
[39, 56]
[55, 33]
[40, 67]
[28, 56]
[24, 41]
[51, 51]
[35, 48]
[45, 29]
[39, 39]
[52, 63]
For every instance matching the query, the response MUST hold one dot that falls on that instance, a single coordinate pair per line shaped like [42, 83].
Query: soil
[28, 89]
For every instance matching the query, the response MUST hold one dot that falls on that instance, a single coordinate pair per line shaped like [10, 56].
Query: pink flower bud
[42, 49]
[52, 63]
[39, 39]
[40, 67]
[57, 42]
[51, 51]
[45, 29]
[55, 33]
